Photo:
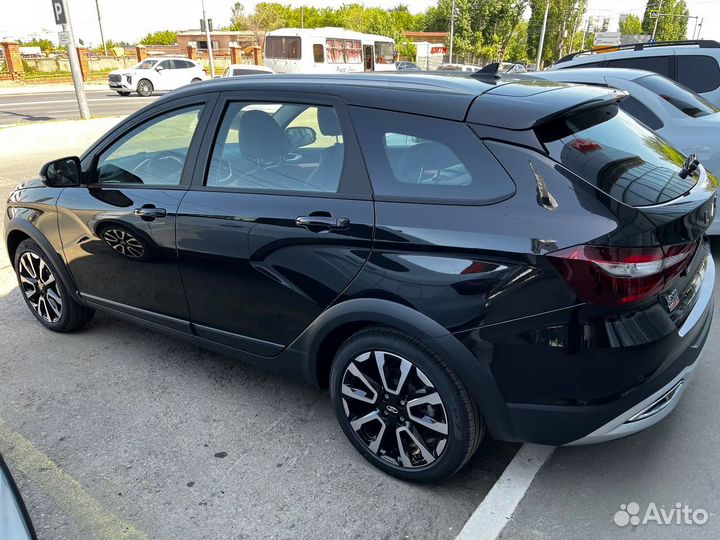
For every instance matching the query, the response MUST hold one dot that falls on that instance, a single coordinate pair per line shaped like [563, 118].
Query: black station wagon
[449, 256]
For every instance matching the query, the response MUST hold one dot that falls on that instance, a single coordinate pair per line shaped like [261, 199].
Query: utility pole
[102, 36]
[542, 37]
[702, 20]
[452, 30]
[586, 29]
[63, 16]
[657, 19]
[209, 42]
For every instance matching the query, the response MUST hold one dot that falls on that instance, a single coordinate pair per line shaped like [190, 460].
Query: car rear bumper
[637, 409]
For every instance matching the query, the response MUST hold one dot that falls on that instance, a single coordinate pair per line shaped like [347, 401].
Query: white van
[327, 50]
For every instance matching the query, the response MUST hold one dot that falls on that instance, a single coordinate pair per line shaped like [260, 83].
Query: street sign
[64, 38]
[654, 13]
[59, 12]
[202, 25]
[608, 38]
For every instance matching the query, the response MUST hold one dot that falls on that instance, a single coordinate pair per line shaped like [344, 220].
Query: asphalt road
[43, 106]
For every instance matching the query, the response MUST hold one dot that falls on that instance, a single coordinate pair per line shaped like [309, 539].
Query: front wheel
[145, 88]
[44, 292]
[402, 407]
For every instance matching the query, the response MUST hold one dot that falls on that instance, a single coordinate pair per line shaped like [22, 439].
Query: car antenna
[491, 70]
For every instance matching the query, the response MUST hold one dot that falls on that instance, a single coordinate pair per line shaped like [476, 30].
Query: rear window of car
[699, 73]
[678, 96]
[608, 148]
[657, 64]
[637, 110]
[418, 158]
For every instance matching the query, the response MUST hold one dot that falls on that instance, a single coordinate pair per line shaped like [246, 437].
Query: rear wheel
[145, 88]
[402, 407]
[196, 79]
[44, 292]
[123, 93]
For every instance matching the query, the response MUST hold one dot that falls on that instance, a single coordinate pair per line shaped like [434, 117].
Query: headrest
[421, 157]
[328, 121]
[260, 137]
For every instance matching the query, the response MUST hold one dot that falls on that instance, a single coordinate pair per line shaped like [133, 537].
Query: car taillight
[618, 275]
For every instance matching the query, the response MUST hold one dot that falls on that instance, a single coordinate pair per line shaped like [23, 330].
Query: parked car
[404, 65]
[458, 67]
[448, 255]
[15, 521]
[156, 74]
[694, 64]
[511, 67]
[237, 70]
[687, 120]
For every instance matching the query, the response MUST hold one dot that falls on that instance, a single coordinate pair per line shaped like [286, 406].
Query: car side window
[412, 156]
[153, 153]
[637, 110]
[657, 64]
[699, 73]
[254, 150]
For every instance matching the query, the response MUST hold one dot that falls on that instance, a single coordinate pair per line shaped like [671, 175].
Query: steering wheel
[165, 165]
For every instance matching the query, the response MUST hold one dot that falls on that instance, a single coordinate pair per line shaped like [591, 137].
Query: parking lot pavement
[580, 489]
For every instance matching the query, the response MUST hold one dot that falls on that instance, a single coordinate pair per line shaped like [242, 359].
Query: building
[220, 39]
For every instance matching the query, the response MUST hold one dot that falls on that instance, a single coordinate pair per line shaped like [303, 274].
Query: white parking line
[496, 509]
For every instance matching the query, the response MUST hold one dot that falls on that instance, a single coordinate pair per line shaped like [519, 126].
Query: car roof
[170, 58]
[516, 103]
[591, 74]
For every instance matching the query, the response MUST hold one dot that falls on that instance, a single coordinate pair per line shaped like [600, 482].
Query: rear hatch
[667, 199]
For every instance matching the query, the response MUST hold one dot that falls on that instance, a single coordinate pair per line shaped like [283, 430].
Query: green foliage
[669, 28]
[45, 44]
[631, 25]
[162, 37]
[564, 22]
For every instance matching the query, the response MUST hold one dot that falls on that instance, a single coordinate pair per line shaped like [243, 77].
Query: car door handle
[322, 222]
[149, 212]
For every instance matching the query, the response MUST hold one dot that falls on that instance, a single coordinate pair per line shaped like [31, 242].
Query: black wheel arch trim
[475, 375]
[47, 248]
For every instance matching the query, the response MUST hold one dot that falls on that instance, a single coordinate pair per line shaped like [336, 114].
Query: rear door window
[413, 157]
[657, 64]
[699, 73]
[609, 149]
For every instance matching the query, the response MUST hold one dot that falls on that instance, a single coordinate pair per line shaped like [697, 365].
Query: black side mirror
[297, 137]
[65, 172]
[14, 518]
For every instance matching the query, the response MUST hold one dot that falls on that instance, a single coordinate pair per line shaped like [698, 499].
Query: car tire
[437, 427]
[45, 293]
[196, 79]
[124, 94]
[145, 88]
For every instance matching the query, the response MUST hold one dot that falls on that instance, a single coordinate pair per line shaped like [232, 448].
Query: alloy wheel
[394, 409]
[124, 243]
[40, 287]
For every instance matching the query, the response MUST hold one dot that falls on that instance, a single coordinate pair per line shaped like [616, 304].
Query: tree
[162, 37]
[631, 24]
[45, 44]
[563, 28]
[670, 27]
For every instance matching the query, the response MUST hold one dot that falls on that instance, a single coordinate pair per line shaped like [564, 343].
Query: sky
[130, 20]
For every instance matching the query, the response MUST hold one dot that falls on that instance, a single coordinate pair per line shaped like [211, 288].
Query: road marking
[496, 509]
[22, 455]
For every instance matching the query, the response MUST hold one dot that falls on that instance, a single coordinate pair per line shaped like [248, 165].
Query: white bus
[327, 50]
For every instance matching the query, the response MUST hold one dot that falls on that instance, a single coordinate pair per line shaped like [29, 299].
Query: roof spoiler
[608, 99]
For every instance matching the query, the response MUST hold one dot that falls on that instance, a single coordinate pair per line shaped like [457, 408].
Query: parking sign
[59, 12]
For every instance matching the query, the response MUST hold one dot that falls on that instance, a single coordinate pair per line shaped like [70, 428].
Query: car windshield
[146, 64]
[678, 96]
[608, 148]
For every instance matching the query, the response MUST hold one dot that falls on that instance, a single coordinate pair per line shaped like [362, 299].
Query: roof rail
[701, 43]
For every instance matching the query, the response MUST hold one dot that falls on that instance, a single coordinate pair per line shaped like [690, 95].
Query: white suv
[695, 64]
[154, 74]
